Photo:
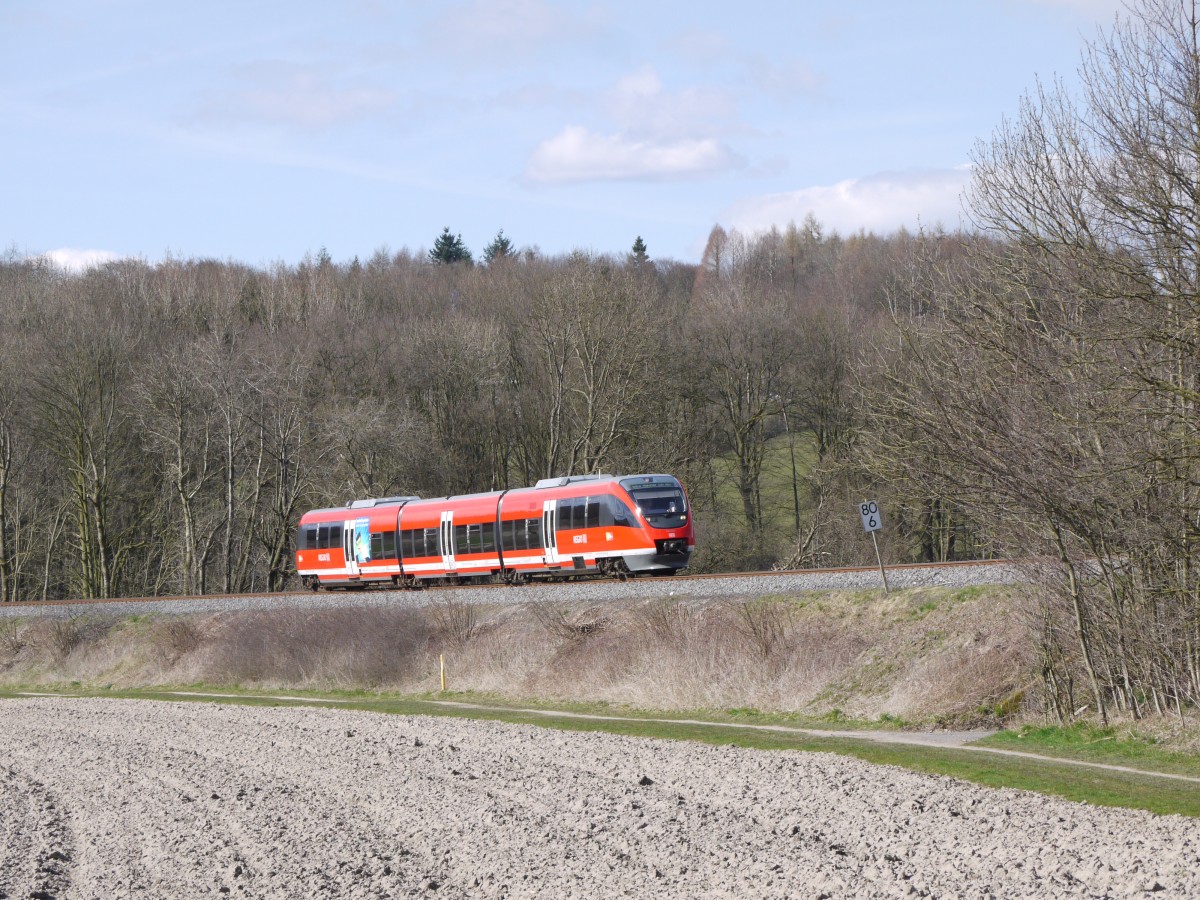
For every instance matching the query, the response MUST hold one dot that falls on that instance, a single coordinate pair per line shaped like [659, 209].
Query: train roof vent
[564, 480]
[379, 501]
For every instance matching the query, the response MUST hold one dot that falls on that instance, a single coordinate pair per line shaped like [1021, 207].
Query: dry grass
[457, 622]
[341, 648]
[176, 637]
[12, 642]
[57, 638]
[917, 655]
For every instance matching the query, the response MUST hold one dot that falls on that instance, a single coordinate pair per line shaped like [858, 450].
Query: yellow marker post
[442, 664]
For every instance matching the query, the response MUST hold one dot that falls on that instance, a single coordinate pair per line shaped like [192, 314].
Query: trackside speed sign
[872, 519]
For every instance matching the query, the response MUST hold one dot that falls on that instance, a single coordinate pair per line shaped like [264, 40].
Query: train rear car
[350, 546]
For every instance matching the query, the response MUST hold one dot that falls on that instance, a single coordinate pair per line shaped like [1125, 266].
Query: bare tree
[742, 345]
[85, 421]
[1052, 387]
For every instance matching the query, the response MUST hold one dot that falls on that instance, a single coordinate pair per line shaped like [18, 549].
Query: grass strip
[1096, 786]
[1090, 743]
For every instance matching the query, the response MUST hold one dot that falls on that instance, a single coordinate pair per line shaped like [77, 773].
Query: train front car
[661, 505]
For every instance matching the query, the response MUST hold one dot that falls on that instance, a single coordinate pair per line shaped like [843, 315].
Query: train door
[350, 530]
[448, 540]
[550, 532]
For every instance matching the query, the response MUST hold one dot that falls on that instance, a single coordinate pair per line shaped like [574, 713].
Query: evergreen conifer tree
[638, 257]
[500, 248]
[449, 248]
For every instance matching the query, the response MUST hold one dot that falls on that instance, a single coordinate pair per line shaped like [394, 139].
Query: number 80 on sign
[872, 519]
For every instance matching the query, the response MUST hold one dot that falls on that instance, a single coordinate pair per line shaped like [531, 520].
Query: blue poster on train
[362, 541]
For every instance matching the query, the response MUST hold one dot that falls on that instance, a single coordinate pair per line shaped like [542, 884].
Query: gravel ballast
[599, 591]
[109, 798]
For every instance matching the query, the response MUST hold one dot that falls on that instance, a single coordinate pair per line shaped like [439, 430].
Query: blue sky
[262, 131]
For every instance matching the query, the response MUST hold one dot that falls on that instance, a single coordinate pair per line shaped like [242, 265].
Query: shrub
[456, 621]
[174, 638]
[11, 639]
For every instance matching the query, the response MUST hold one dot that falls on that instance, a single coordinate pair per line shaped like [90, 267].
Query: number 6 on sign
[872, 519]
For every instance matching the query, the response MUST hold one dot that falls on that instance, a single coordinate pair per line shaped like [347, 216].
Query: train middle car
[570, 526]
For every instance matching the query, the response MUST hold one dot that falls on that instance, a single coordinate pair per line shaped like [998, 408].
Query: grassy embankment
[923, 656]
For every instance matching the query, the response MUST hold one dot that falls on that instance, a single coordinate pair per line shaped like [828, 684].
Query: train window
[414, 542]
[519, 534]
[593, 512]
[335, 536]
[513, 534]
[475, 538]
[376, 545]
[615, 512]
[389, 545]
[432, 545]
[662, 505]
[323, 537]
[566, 514]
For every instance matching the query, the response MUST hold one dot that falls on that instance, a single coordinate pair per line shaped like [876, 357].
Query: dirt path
[946, 740]
[108, 798]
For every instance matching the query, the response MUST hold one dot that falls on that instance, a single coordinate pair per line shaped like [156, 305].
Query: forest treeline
[163, 426]
[1027, 387]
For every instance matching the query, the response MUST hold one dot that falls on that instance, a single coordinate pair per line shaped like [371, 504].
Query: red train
[576, 525]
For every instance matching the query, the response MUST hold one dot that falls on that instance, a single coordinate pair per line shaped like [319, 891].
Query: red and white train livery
[575, 525]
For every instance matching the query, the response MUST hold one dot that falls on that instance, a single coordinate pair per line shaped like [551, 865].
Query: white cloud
[881, 203]
[658, 135]
[576, 154]
[73, 260]
[642, 108]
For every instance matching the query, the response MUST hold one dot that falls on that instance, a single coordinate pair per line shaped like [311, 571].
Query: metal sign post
[872, 520]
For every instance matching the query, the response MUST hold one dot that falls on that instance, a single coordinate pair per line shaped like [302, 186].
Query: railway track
[593, 589]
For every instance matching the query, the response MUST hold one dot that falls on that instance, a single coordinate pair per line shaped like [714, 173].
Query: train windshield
[662, 504]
